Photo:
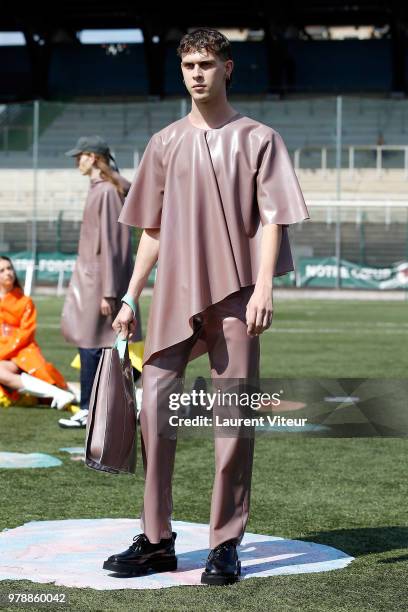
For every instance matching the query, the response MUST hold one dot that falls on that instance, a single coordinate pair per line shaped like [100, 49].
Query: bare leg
[9, 375]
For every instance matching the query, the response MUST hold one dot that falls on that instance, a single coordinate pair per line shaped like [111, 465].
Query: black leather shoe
[223, 566]
[142, 556]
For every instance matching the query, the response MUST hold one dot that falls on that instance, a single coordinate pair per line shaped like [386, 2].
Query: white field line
[334, 330]
[346, 324]
[352, 327]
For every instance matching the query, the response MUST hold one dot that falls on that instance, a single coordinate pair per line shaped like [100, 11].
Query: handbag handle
[120, 345]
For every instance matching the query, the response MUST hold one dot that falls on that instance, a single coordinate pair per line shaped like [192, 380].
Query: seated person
[23, 368]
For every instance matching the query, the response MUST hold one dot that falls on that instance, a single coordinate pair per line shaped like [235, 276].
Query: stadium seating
[306, 125]
[303, 123]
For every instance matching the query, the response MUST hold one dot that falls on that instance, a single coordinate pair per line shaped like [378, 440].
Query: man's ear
[229, 66]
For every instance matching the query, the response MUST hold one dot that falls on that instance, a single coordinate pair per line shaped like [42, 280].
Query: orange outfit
[18, 321]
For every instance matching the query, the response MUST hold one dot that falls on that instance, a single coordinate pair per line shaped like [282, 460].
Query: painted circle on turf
[27, 460]
[71, 553]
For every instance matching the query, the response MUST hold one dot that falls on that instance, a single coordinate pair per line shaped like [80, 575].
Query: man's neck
[211, 114]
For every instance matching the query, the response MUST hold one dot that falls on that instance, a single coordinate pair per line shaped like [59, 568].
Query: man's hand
[259, 311]
[125, 323]
[107, 306]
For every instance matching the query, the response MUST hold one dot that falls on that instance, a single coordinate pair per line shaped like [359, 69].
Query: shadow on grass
[363, 541]
[394, 559]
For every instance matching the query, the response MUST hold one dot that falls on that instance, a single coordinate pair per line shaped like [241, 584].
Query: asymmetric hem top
[210, 191]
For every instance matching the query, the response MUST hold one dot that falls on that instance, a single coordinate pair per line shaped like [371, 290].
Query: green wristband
[120, 345]
[127, 299]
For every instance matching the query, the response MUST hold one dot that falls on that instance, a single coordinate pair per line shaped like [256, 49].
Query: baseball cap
[92, 144]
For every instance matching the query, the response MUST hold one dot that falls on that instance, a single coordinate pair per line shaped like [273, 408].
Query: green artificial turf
[347, 493]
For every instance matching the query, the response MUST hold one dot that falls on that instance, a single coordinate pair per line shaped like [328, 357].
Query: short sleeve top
[210, 191]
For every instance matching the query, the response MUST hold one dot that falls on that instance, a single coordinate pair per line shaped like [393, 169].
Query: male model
[215, 192]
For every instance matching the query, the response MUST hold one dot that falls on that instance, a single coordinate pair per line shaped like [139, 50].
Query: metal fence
[350, 153]
[368, 131]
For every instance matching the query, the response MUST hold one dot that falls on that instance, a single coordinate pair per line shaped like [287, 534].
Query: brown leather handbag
[111, 429]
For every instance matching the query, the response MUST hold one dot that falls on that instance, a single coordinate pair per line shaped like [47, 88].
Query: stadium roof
[75, 15]
[48, 26]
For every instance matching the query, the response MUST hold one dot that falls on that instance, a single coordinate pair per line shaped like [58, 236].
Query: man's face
[205, 74]
[85, 161]
[7, 276]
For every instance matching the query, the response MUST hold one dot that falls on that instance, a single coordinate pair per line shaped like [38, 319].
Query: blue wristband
[127, 299]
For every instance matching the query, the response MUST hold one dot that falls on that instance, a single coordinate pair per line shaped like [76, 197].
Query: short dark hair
[208, 39]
